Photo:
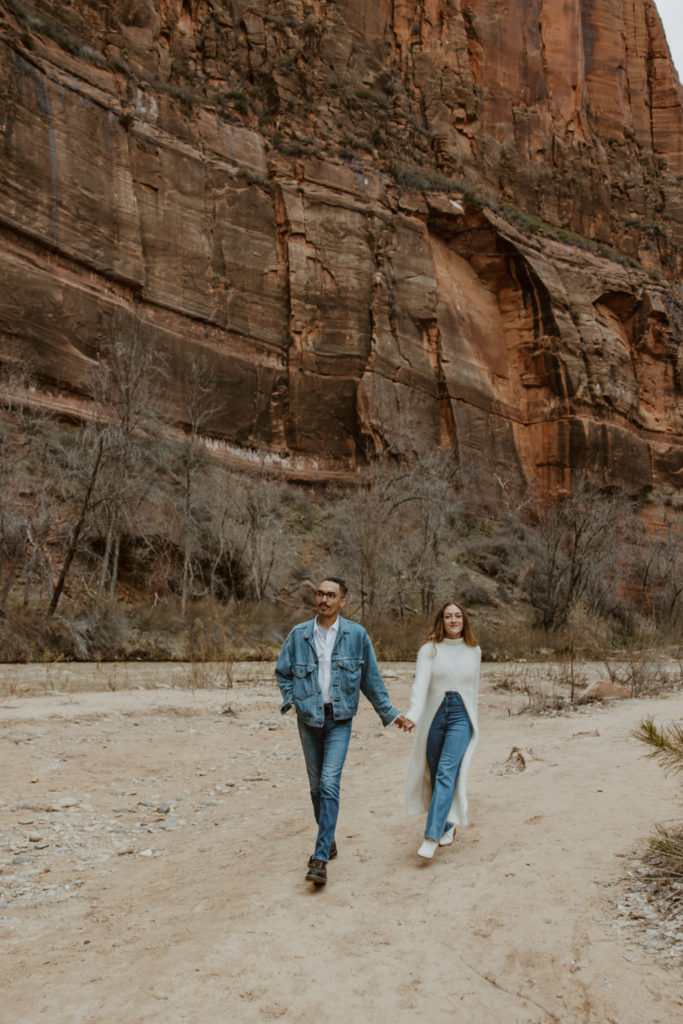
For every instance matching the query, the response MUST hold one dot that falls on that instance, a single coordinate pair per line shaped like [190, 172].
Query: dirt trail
[153, 848]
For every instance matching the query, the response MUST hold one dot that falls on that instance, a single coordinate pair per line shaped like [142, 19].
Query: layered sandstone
[410, 224]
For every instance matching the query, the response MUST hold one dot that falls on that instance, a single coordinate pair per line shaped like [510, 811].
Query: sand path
[153, 844]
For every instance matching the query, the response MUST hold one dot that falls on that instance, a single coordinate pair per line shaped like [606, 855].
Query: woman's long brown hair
[438, 633]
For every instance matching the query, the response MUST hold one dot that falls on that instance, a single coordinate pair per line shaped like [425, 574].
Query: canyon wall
[454, 224]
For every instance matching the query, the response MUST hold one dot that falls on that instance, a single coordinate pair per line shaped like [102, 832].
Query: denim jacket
[353, 668]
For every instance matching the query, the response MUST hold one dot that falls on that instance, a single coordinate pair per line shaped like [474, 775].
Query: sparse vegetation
[642, 669]
[665, 743]
[662, 864]
[115, 538]
[426, 180]
[371, 96]
[571, 542]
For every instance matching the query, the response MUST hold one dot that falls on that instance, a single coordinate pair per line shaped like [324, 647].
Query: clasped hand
[404, 723]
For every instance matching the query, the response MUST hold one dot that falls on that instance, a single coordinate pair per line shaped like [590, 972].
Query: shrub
[26, 635]
[663, 863]
[644, 671]
[101, 632]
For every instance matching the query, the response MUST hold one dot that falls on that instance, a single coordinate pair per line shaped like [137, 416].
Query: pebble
[61, 805]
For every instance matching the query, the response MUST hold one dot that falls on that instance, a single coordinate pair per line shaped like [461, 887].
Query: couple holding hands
[324, 665]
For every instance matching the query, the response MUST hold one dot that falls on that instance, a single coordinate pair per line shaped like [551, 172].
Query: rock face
[381, 223]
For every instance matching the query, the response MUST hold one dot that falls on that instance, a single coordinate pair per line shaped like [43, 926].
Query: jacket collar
[310, 626]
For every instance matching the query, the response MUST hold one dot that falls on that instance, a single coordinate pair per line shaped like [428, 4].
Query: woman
[443, 707]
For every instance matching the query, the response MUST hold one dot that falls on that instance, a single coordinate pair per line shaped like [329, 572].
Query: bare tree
[12, 520]
[23, 471]
[577, 545]
[105, 468]
[658, 577]
[366, 523]
[201, 406]
[82, 465]
[126, 388]
[392, 529]
[36, 570]
[252, 549]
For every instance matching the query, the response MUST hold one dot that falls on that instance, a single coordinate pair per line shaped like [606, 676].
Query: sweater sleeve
[423, 675]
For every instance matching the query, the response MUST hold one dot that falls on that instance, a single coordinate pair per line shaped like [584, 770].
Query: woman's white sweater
[449, 665]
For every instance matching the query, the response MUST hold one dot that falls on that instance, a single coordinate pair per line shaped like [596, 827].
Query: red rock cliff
[454, 223]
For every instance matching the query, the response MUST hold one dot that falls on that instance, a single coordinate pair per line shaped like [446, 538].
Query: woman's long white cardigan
[449, 665]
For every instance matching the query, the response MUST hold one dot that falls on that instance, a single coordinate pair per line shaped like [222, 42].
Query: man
[323, 665]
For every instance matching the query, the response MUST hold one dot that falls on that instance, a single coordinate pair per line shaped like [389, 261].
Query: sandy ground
[154, 842]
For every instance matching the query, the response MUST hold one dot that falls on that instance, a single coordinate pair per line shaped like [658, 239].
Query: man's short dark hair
[340, 583]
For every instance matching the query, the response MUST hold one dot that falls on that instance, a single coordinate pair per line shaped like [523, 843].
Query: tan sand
[154, 845]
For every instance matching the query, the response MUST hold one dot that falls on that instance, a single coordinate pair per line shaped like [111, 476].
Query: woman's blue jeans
[447, 740]
[324, 753]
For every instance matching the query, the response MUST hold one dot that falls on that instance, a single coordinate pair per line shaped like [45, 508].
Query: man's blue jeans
[325, 753]
[449, 735]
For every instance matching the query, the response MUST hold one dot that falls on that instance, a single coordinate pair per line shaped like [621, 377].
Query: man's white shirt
[324, 643]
